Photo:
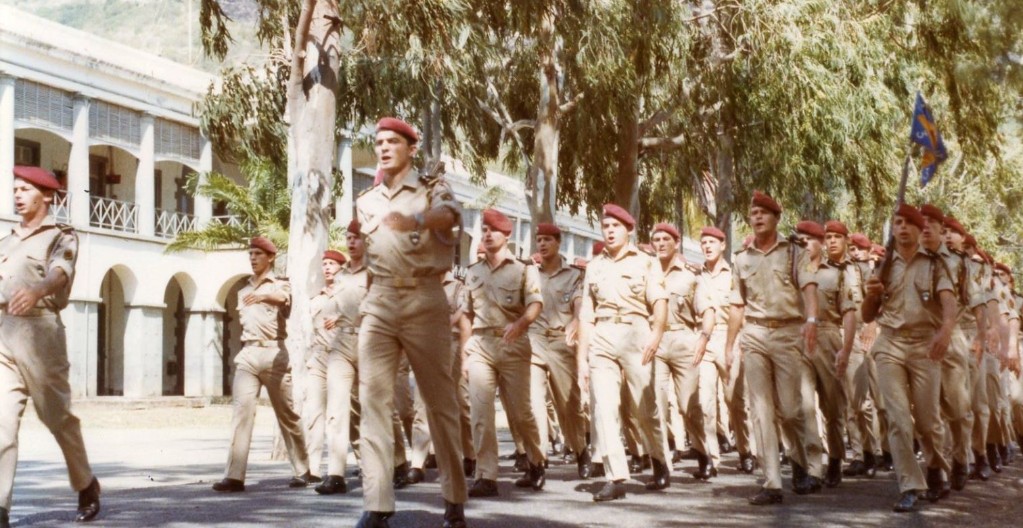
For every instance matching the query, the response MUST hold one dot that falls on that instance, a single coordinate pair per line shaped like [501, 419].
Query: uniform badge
[414, 237]
[508, 299]
[68, 254]
[926, 296]
[565, 298]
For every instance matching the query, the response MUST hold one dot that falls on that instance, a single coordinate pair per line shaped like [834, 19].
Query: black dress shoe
[430, 462]
[611, 491]
[688, 454]
[400, 478]
[1005, 454]
[88, 502]
[766, 496]
[229, 485]
[981, 471]
[662, 476]
[724, 445]
[469, 467]
[333, 484]
[834, 475]
[809, 486]
[706, 469]
[958, 477]
[676, 456]
[415, 476]
[483, 488]
[454, 515]
[799, 476]
[907, 502]
[887, 463]
[374, 520]
[584, 463]
[521, 462]
[869, 465]
[993, 460]
[937, 488]
[534, 478]
[785, 460]
[747, 464]
[855, 469]
[557, 447]
[300, 481]
[598, 470]
[635, 465]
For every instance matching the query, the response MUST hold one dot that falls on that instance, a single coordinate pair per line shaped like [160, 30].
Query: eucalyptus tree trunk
[542, 176]
[626, 186]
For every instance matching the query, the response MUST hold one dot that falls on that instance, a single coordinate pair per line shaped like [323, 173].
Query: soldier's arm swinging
[977, 347]
[572, 330]
[810, 311]
[874, 289]
[848, 337]
[436, 219]
[515, 329]
[735, 317]
[706, 328]
[1013, 359]
[656, 330]
[25, 299]
[939, 345]
[582, 361]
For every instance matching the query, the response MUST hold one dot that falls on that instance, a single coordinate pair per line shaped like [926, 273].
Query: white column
[81, 321]
[78, 164]
[343, 204]
[204, 366]
[570, 247]
[145, 179]
[143, 357]
[6, 144]
[203, 205]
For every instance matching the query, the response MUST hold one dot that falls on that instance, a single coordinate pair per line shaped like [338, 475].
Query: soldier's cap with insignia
[810, 228]
[878, 249]
[712, 231]
[497, 221]
[761, 199]
[860, 240]
[550, 230]
[334, 255]
[397, 125]
[598, 247]
[263, 244]
[912, 215]
[954, 225]
[1004, 268]
[932, 212]
[834, 226]
[38, 176]
[619, 213]
[667, 228]
[354, 226]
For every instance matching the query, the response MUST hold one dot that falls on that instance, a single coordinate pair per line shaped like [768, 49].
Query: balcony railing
[114, 214]
[231, 220]
[170, 223]
[61, 208]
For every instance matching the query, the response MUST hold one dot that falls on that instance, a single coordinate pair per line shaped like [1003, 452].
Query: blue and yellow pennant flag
[925, 133]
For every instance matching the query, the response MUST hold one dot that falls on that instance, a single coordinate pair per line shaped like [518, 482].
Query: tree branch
[569, 105]
[305, 20]
[662, 143]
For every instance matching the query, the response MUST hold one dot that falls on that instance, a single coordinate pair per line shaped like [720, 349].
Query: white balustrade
[170, 223]
[113, 214]
[61, 207]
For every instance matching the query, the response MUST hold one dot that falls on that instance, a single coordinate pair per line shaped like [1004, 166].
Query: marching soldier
[553, 337]
[915, 308]
[623, 288]
[407, 222]
[681, 369]
[263, 307]
[779, 336]
[999, 433]
[37, 268]
[503, 299]
[958, 238]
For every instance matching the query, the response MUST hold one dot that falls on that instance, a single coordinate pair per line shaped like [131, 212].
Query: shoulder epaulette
[65, 228]
[578, 267]
[526, 261]
[696, 270]
[367, 190]
[478, 262]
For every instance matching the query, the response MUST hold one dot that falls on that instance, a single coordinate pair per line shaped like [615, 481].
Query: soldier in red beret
[1002, 368]
[622, 293]
[553, 338]
[916, 330]
[264, 304]
[37, 270]
[776, 309]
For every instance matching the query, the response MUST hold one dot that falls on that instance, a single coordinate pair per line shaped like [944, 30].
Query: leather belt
[32, 312]
[912, 333]
[828, 325]
[489, 332]
[348, 330]
[549, 332]
[619, 319]
[774, 323]
[406, 282]
[679, 326]
[262, 342]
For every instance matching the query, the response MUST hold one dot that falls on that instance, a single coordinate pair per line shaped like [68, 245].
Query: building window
[117, 123]
[26, 152]
[43, 105]
[177, 140]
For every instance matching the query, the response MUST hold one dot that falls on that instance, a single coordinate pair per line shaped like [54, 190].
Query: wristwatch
[811, 320]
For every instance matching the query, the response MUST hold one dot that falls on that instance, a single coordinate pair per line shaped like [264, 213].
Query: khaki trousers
[862, 420]
[695, 389]
[780, 383]
[257, 367]
[553, 363]
[910, 384]
[979, 402]
[494, 365]
[422, 445]
[33, 363]
[413, 321]
[831, 394]
[314, 405]
[733, 384]
[617, 373]
[996, 398]
[674, 427]
[1016, 406]
[333, 375]
[955, 396]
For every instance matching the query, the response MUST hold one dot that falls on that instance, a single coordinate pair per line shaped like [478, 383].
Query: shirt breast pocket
[507, 297]
[635, 284]
[36, 266]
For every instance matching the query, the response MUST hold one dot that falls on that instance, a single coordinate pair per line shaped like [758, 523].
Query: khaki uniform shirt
[763, 282]
[970, 290]
[498, 296]
[323, 307]
[911, 294]
[560, 290]
[351, 285]
[1006, 301]
[628, 285]
[263, 321]
[687, 300]
[718, 287]
[838, 290]
[422, 253]
[27, 256]
[863, 272]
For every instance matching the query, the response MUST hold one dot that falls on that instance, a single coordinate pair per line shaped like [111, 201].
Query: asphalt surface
[156, 467]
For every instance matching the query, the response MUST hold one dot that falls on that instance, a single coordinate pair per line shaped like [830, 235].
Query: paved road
[156, 467]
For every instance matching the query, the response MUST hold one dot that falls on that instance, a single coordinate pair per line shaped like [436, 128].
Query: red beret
[860, 240]
[598, 247]
[912, 215]
[712, 231]
[334, 255]
[617, 212]
[548, 230]
[37, 176]
[354, 226]
[1001, 266]
[264, 244]
[497, 221]
[397, 125]
[668, 228]
[954, 225]
[878, 250]
[810, 228]
[834, 226]
[970, 241]
[762, 200]
[932, 212]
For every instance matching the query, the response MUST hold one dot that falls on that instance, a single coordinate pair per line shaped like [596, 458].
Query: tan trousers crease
[554, 364]
[694, 388]
[733, 384]
[831, 393]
